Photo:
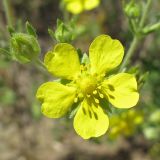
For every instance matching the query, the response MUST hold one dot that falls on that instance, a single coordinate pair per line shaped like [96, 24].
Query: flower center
[87, 84]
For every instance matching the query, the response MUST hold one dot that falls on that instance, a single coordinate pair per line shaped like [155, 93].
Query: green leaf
[30, 29]
[24, 47]
[105, 105]
[51, 33]
[85, 59]
[75, 107]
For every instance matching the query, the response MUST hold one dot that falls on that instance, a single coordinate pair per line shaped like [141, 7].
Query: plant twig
[136, 39]
[8, 12]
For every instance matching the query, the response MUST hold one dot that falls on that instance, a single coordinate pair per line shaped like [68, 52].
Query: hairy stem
[136, 40]
[8, 12]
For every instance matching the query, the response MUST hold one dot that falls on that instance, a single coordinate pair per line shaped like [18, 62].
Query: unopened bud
[132, 10]
[24, 48]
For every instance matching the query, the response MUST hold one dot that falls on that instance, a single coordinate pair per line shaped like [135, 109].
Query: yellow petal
[74, 6]
[56, 99]
[90, 4]
[63, 61]
[105, 54]
[121, 90]
[90, 120]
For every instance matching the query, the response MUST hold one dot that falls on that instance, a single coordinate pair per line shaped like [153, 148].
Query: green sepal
[24, 48]
[132, 9]
[30, 29]
[85, 59]
[142, 79]
[51, 33]
[64, 32]
[105, 105]
[75, 108]
[80, 54]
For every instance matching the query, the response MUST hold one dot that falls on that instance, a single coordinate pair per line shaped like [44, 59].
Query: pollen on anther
[76, 100]
[95, 92]
[96, 100]
[99, 87]
[101, 95]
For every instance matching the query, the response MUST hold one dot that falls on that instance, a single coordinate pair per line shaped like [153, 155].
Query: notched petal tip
[90, 121]
[56, 98]
[105, 54]
[58, 61]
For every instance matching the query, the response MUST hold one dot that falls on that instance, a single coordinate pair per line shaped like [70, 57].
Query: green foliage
[66, 32]
[132, 9]
[24, 48]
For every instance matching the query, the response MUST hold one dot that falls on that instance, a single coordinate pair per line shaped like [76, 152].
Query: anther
[88, 95]
[95, 92]
[101, 95]
[99, 87]
[102, 75]
[96, 100]
[76, 100]
[80, 95]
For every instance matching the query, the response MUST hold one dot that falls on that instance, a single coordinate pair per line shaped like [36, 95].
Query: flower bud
[132, 10]
[63, 33]
[24, 48]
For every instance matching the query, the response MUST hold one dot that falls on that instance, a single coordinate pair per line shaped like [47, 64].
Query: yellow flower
[77, 6]
[125, 123]
[87, 85]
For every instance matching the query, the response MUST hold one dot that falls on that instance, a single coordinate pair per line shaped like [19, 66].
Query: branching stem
[136, 40]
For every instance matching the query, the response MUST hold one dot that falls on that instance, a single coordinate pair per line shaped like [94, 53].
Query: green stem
[8, 12]
[130, 52]
[145, 13]
[136, 39]
[40, 63]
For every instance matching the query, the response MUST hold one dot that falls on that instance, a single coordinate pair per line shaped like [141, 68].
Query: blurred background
[25, 134]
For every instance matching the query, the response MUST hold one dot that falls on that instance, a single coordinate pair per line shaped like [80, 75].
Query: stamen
[102, 75]
[96, 100]
[80, 95]
[99, 87]
[95, 92]
[88, 95]
[101, 95]
[76, 100]
[81, 67]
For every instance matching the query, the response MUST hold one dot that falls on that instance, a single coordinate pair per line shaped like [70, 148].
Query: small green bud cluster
[24, 47]
[136, 12]
[66, 32]
[132, 10]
